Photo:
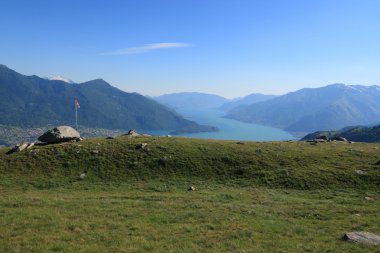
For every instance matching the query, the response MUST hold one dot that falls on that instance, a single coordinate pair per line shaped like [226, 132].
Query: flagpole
[76, 116]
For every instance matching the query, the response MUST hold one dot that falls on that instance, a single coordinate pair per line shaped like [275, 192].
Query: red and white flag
[77, 104]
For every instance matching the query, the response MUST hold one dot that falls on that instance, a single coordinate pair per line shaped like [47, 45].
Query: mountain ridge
[34, 101]
[311, 109]
[246, 101]
[191, 99]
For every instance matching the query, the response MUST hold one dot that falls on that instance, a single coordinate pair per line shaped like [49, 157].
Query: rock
[142, 146]
[30, 145]
[34, 151]
[360, 172]
[338, 138]
[132, 132]
[83, 175]
[60, 134]
[362, 237]
[191, 188]
[368, 198]
[314, 141]
[21, 147]
[18, 148]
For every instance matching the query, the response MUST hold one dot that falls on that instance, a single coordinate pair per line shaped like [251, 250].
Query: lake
[229, 129]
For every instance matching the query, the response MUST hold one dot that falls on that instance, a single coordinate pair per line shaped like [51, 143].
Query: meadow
[249, 197]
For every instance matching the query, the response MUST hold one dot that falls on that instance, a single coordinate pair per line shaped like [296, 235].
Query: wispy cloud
[146, 48]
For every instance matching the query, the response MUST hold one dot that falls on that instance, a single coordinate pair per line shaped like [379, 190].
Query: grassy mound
[249, 197]
[296, 165]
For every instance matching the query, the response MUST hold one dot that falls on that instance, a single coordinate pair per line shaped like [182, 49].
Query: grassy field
[250, 197]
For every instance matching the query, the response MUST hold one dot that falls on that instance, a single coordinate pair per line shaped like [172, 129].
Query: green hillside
[276, 164]
[358, 133]
[31, 101]
[249, 196]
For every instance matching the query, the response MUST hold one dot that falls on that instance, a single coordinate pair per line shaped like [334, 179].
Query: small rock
[83, 175]
[142, 146]
[30, 145]
[18, 148]
[368, 198]
[191, 188]
[357, 214]
[132, 132]
[34, 151]
[360, 172]
[338, 138]
[362, 237]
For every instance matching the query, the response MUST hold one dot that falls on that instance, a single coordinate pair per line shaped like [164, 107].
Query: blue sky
[226, 47]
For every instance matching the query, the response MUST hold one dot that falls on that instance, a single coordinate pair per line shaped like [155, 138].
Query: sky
[227, 47]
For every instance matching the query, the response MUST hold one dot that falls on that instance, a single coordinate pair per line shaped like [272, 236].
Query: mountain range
[245, 101]
[30, 101]
[186, 100]
[314, 109]
[191, 100]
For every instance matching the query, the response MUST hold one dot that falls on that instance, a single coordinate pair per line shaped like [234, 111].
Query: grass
[250, 197]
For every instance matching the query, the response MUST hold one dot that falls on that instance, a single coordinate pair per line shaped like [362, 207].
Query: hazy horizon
[228, 48]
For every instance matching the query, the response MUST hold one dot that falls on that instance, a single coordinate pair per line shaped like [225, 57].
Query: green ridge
[276, 164]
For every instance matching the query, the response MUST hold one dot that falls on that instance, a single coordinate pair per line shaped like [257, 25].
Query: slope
[33, 101]
[328, 108]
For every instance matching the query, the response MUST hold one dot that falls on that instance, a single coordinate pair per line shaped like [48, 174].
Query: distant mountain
[245, 101]
[358, 133]
[191, 100]
[307, 110]
[31, 101]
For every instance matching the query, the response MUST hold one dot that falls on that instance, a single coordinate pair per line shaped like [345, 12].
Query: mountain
[30, 101]
[311, 109]
[191, 100]
[245, 101]
[355, 133]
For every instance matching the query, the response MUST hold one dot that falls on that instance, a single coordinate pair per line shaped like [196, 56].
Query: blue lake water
[229, 129]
